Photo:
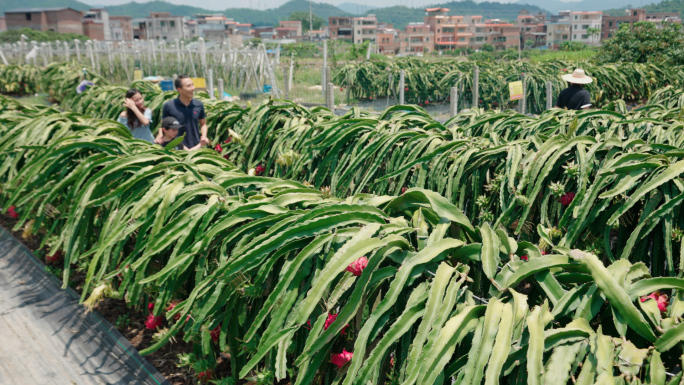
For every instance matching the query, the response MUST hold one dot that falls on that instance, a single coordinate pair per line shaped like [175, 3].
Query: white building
[581, 24]
[365, 28]
[164, 26]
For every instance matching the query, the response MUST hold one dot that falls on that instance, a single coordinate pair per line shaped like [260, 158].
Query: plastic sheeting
[46, 337]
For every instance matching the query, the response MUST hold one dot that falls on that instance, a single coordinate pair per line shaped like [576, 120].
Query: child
[169, 128]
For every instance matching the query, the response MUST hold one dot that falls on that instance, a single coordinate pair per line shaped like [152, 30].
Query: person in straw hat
[575, 97]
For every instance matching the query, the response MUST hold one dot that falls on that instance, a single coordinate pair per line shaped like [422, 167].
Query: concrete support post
[210, 83]
[453, 102]
[523, 103]
[402, 87]
[476, 87]
[327, 80]
[330, 97]
[549, 95]
[220, 89]
[324, 74]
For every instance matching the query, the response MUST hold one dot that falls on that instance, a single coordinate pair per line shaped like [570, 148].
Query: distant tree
[529, 43]
[645, 42]
[488, 47]
[593, 32]
[304, 18]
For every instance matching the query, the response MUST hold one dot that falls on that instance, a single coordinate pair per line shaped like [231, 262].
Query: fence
[250, 73]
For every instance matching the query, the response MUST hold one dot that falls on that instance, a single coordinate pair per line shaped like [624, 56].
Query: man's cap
[171, 122]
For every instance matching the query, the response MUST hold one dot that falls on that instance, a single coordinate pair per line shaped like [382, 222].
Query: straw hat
[578, 77]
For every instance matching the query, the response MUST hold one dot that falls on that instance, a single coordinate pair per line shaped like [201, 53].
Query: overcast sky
[265, 4]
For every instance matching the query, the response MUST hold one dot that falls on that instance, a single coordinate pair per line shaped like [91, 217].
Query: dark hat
[171, 122]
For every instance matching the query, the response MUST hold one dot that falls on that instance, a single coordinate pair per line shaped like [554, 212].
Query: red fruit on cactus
[153, 322]
[204, 376]
[543, 252]
[403, 189]
[216, 333]
[405, 88]
[426, 102]
[340, 359]
[356, 267]
[150, 307]
[172, 306]
[218, 148]
[228, 140]
[226, 157]
[12, 213]
[341, 89]
[54, 258]
[329, 321]
[661, 299]
[524, 258]
[259, 169]
[567, 198]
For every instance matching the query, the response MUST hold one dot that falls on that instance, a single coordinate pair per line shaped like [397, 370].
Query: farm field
[312, 248]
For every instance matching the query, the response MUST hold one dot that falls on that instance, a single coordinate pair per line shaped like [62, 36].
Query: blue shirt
[140, 132]
[189, 116]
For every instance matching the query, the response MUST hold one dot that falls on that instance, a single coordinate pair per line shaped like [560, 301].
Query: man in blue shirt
[188, 112]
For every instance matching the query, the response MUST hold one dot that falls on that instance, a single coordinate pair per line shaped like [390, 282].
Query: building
[60, 19]
[139, 29]
[450, 31]
[3, 24]
[96, 24]
[341, 28]
[557, 33]
[495, 32]
[318, 35]
[164, 26]
[365, 29]
[244, 27]
[416, 38]
[264, 32]
[532, 28]
[121, 28]
[291, 25]
[585, 25]
[612, 23]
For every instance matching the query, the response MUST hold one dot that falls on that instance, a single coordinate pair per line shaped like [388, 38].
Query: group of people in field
[185, 116]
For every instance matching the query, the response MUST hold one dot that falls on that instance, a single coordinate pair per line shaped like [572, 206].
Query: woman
[136, 117]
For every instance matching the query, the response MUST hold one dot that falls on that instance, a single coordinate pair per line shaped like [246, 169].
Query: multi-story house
[450, 31]
[612, 23]
[121, 28]
[59, 19]
[365, 29]
[164, 26]
[532, 27]
[495, 32]
[289, 29]
[582, 25]
[341, 28]
[557, 33]
[416, 38]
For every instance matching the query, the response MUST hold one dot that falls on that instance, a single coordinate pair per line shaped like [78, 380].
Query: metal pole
[330, 99]
[220, 88]
[549, 95]
[453, 99]
[476, 87]
[210, 83]
[402, 88]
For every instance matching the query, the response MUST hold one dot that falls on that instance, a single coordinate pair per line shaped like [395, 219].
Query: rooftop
[32, 10]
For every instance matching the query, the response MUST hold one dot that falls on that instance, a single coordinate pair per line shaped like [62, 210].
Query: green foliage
[570, 46]
[645, 42]
[476, 271]
[13, 36]
[307, 22]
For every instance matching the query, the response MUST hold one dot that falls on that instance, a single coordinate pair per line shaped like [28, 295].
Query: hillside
[401, 15]
[355, 8]
[664, 6]
[582, 5]
[244, 15]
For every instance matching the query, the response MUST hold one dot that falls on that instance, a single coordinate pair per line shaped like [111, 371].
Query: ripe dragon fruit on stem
[356, 267]
[340, 359]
